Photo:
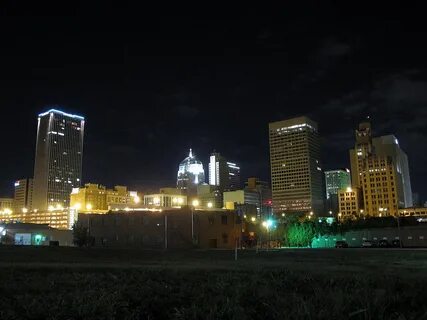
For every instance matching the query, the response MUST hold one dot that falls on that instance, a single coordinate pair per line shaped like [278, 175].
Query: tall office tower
[379, 168]
[386, 147]
[296, 172]
[233, 176]
[336, 180]
[190, 174]
[23, 199]
[218, 171]
[58, 160]
[362, 150]
[224, 174]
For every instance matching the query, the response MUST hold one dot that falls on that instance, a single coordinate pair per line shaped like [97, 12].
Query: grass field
[73, 283]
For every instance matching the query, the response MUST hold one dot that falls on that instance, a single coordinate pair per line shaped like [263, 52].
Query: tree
[80, 235]
[301, 234]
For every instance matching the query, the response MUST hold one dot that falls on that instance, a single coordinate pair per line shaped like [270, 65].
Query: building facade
[97, 198]
[223, 174]
[58, 159]
[350, 203]
[190, 174]
[167, 198]
[168, 229]
[296, 170]
[23, 197]
[380, 169]
[336, 180]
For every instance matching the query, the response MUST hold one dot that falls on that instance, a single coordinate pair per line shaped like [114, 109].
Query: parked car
[341, 244]
[368, 244]
[383, 243]
[396, 243]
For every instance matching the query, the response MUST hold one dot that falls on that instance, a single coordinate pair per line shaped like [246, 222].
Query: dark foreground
[72, 283]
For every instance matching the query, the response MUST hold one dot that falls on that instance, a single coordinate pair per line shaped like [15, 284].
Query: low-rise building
[166, 198]
[58, 218]
[169, 228]
[349, 203]
[27, 234]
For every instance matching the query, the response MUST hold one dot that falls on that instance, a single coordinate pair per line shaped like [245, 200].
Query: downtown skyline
[147, 102]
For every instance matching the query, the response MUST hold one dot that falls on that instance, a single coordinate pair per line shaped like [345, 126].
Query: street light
[89, 206]
[195, 203]
[268, 224]
[210, 205]
[24, 210]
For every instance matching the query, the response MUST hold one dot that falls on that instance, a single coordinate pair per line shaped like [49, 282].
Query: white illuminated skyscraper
[58, 160]
[190, 174]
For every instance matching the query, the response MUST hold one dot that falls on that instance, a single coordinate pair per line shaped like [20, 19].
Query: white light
[17, 184]
[24, 210]
[51, 208]
[89, 206]
[210, 205]
[195, 203]
[136, 199]
[156, 200]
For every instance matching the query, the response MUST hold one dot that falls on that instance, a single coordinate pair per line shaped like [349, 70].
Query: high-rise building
[233, 176]
[336, 180]
[379, 167]
[296, 171]
[58, 159]
[349, 203]
[218, 171]
[264, 191]
[23, 198]
[224, 174]
[190, 174]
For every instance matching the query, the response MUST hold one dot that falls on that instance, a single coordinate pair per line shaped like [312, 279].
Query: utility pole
[166, 231]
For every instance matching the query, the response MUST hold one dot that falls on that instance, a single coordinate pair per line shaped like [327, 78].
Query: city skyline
[195, 86]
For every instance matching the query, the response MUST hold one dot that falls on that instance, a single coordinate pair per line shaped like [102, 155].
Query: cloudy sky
[152, 84]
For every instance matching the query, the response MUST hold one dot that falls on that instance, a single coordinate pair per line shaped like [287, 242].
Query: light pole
[195, 204]
[267, 224]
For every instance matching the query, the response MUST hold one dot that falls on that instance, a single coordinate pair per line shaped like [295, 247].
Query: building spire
[191, 153]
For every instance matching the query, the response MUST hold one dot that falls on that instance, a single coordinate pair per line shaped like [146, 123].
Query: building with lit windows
[349, 203]
[264, 191]
[6, 204]
[336, 180]
[96, 198]
[58, 218]
[380, 168]
[209, 196]
[166, 198]
[58, 159]
[296, 170]
[23, 197]
[190, 174]
[218, 171]
[233, 176]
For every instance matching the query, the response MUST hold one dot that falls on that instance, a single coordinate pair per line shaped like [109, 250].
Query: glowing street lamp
[195, 203]
[253, 219]
[24, 210]
[89, 206]
[210, 205]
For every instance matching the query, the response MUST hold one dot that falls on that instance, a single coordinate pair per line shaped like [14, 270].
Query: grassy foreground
[70, 283]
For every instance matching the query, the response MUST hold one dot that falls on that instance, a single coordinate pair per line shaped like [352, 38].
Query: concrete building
[166, 198]
[23, 198]
[58, 218]
[350, 203]
[233, 176]
[265, 197]
[380, 168]
[209, 196]
[223, 174]
[190, 174]
[27, 234]
[58, 159]
[171, 228]
[335, 180]
[97, 198]
[6, 204]
[296, 170]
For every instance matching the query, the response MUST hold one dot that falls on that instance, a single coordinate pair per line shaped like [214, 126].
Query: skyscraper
[58, 160]
[336, 180]
[296, 171]
[233, 176]
[218, 171]
[380, 168]
[224, 174]
[190, 174]
[23, 199]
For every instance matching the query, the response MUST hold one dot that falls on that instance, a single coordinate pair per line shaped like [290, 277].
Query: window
[224, 237]
[224, 219]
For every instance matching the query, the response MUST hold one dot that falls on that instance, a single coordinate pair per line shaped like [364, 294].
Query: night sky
[152, 84]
